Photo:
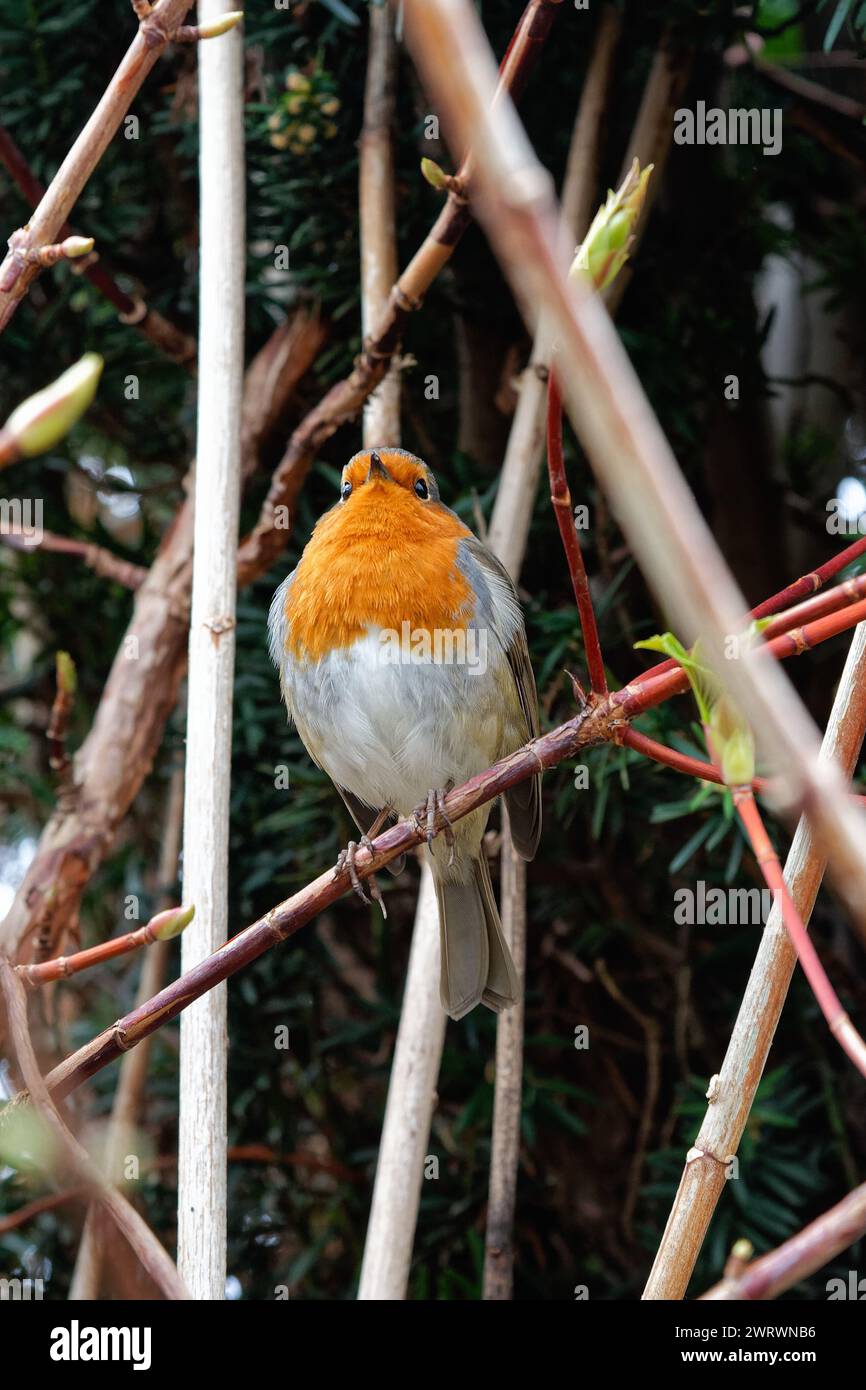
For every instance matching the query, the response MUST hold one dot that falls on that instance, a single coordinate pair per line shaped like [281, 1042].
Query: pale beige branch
[508, 1091]
[377, 218]
[733, 1091]
[403, 1146]
[203, 1120]
[509, 532]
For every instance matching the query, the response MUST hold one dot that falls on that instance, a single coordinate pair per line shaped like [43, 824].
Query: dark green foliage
[612, 855]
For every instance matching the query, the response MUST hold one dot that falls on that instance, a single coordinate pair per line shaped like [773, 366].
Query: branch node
[406, 302]
[218, 627]
[372, 353]
[153, 31]
[136, 314]
[17, 259]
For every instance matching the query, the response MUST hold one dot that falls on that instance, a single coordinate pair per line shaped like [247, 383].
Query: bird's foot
[346, 861]
[436, 807]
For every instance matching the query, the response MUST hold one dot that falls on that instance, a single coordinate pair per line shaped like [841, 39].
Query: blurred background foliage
[751, 266]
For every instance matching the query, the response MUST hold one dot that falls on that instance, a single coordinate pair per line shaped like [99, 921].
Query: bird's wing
[278, 631]
[500, 607]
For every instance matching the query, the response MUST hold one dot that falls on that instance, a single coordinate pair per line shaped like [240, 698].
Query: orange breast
[381, 559]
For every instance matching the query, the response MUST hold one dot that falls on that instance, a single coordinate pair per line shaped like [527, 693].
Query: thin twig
[17, 273]
[652, 136]
[163, 334]
[838, 1022]
[162, 927]
[561, 499]
[58, 726]
[683, 762]
[142, 1239]
[377, 222]
[810, 91]
[659, 684]
[101, 561]
[797, 1258]
[802, 588]
[132, 1077]
[515, 495]
[601, 263]
[22, 1215]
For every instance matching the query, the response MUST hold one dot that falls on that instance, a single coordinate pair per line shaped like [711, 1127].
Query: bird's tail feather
[476, 963]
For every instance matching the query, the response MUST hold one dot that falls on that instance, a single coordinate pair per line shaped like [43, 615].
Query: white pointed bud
[42, 420]
[221, 25]
[75, 246]
[434, 174]
[171, 922]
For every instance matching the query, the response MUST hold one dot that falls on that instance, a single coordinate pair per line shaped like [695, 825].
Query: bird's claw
[436, 806]
[346, 862]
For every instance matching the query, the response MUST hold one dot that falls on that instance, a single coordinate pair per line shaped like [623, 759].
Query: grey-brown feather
[524, 800]
[476, 963]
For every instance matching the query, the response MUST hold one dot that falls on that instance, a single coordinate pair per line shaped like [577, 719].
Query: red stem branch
[839, 1023]
[801, 588]
[561, 499]
[809, 583]
[61, 967]
[661, 682]
[683, 762]
[808, 1250]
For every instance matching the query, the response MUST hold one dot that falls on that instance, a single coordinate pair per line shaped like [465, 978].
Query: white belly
[388, 732]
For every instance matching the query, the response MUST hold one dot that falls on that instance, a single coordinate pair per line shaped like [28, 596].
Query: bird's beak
[377, 469]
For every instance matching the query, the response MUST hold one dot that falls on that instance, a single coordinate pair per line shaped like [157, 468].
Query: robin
[403, 662]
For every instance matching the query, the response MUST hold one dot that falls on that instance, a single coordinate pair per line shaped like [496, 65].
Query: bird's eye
[345, 489]
[421, 489]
